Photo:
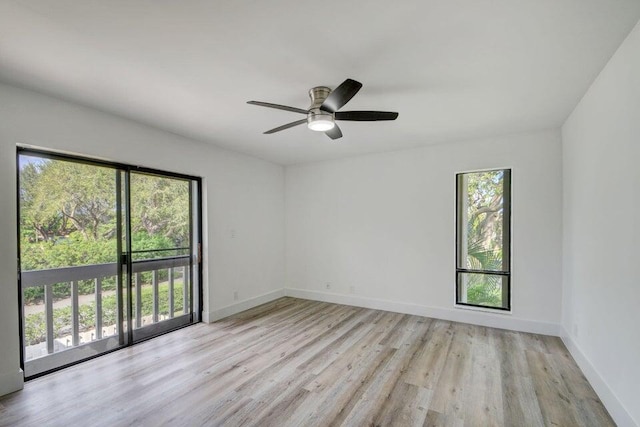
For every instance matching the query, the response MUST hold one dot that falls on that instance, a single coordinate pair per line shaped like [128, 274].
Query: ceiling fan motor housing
[316, 118]
[318, 94]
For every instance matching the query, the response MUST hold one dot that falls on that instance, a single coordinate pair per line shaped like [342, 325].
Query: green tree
[484, 236]
[36, 221]
[160, 208]
[58, 197]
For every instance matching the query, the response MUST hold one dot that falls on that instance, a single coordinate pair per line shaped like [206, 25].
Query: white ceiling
[453, 69]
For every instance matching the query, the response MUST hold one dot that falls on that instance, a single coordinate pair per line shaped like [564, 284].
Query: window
[483, 239]
[109, 256]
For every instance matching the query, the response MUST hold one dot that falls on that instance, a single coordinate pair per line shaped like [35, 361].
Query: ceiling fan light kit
[323, 112]
[320, 122]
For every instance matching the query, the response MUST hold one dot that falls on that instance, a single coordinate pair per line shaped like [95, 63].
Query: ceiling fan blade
[287, 126]
[334, 133]
[340, 96]
[278, 106]
[365, 116]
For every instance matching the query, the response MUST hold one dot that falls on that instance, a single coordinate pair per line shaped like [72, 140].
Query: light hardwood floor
[304, 363]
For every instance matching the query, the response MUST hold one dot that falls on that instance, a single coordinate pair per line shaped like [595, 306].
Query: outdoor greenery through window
[72, 235]
[483, 229]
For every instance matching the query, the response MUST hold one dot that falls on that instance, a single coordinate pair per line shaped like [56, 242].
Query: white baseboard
[221, 313]
[457, 315]
[602, 389]
[11, 381]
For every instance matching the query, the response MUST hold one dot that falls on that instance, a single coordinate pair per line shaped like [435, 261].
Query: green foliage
[485, 293]
[58, 197]
[484, 236]
[68, 214]
[146, 299]
[161, 207]
[141, 242]
[35, 328]
[479, 258]
[66, 252]
[35, 324]
[484, 220]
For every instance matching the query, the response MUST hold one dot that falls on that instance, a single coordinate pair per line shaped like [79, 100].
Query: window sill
[483, 309]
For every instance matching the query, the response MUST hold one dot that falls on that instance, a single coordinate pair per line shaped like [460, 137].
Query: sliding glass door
[71, 283]
[162, 253]
[108, 256]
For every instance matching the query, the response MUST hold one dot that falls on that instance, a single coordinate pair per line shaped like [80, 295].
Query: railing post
[98, 284]
[75, 324]
[48, 304]
[122, 291]
[138, 280]
[185, 289]
[171, 302]
[154, 285]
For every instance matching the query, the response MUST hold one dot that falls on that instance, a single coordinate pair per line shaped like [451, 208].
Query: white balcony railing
[175, 266]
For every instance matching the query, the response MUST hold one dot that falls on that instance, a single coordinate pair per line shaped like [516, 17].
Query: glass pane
[35, 327]
[109, 309]
[481, 222]
[176, 292]
[489, 290]
[163, 294]
[62, 328]
[67, 214]
[181, 291]
[136, 297]
[68, 241]
[161, 247]
[160, 222]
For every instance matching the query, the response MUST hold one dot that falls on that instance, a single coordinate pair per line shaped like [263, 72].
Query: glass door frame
[138, 333]
[124, 261]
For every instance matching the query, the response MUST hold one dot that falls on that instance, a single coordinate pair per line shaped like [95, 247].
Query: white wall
[384, 223]
[601, 175]
[241, 193]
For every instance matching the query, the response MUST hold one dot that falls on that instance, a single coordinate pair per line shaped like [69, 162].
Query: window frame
[506, 243]
[196, 233]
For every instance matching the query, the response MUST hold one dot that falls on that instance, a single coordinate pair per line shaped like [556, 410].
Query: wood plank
[483, 397]
[520, 405]
[369, 407]
[425, 370]
[449, 391]
[407, 406]
[296, 362]
[553, 396]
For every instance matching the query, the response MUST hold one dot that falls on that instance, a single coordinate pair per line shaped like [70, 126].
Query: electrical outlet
[235, 295]
[327, 285]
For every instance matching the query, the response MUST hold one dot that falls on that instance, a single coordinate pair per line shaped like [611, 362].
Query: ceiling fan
[323, 112]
